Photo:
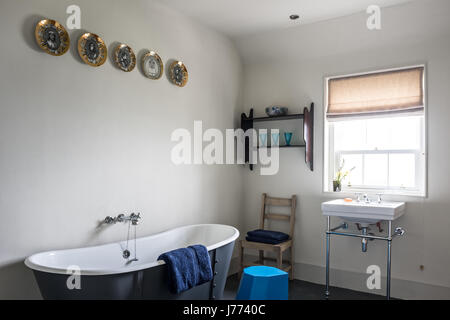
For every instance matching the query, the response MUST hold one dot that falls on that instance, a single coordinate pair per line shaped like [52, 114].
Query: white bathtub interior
[107, 259]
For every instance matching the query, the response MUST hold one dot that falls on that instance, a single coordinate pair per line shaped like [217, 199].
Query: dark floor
[302, 290]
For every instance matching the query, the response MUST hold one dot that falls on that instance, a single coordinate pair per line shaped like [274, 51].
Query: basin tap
[366, 198]
[379, 197]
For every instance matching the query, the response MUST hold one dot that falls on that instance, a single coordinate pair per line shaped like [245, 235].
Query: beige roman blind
[376, 93]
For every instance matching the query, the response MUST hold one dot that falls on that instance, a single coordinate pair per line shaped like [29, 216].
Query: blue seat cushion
[263, 240]
[269, 235]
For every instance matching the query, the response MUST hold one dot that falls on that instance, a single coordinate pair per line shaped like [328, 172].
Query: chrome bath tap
[134, 218]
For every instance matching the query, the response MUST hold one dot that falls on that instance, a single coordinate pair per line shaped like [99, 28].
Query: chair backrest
[278, 202]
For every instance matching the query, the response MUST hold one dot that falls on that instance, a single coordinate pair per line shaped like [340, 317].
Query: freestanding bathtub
[105, 274]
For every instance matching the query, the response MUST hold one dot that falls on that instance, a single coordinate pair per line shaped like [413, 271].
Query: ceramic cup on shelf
[288, 138]
[262, 139]
[275, 139]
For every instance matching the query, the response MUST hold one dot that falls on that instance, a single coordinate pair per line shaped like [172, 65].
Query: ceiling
[241, 17]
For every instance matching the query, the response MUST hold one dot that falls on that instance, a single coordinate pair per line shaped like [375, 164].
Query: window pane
[375, 145]
[375, 169]
[402, 170]
[349, 135]
[378, 134]
[355, 176]
[405, 133]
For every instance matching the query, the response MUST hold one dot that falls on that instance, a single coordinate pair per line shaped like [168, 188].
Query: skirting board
[402, 289]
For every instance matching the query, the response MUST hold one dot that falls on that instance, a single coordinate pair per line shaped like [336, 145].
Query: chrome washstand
[364, 213]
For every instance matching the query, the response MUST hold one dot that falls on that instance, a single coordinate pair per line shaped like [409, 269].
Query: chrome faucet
[134, 218]
[379, 197]
[109, 220]
[366, 198]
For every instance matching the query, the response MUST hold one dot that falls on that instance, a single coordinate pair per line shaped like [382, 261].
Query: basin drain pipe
[364, 240]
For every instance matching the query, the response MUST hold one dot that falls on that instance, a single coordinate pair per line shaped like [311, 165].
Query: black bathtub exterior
[142, 284]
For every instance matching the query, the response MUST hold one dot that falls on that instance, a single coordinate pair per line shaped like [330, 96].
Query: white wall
[79, 143]
[287, 67]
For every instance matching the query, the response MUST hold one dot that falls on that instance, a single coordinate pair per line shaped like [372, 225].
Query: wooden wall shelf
[277, 118]
[308, 132]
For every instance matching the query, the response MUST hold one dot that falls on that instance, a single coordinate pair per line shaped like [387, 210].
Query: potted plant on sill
[340, 176]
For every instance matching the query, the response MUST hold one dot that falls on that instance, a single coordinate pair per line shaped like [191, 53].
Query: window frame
[329, 160]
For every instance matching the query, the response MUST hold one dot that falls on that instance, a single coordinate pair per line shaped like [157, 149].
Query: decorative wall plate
[52, 37]
[178, 73]
[152, 65]
[124, 57]
[92, 49]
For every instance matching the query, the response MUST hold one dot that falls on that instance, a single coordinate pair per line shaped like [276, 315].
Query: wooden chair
[278, 249]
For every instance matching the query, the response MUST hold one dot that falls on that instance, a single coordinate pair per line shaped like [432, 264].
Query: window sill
[373, 192]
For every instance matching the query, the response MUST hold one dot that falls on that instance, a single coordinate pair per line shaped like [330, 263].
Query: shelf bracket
[308, 135]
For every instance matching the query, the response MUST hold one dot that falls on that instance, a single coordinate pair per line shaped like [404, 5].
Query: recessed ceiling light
[294, 16]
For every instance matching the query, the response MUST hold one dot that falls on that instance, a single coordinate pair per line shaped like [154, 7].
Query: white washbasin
[362, 212]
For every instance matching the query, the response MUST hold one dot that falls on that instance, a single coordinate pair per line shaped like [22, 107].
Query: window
[375, 132]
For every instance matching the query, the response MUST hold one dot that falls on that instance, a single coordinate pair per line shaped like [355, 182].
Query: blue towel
[267, 234]
[263, 240]
[187, 267]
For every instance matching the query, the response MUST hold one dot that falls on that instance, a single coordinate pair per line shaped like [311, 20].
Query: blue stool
[263, 283]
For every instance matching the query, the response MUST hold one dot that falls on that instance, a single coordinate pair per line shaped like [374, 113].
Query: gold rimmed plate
[92, 49]
[124, 57]
[178, 73]
[52, 37]
[152, 65]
